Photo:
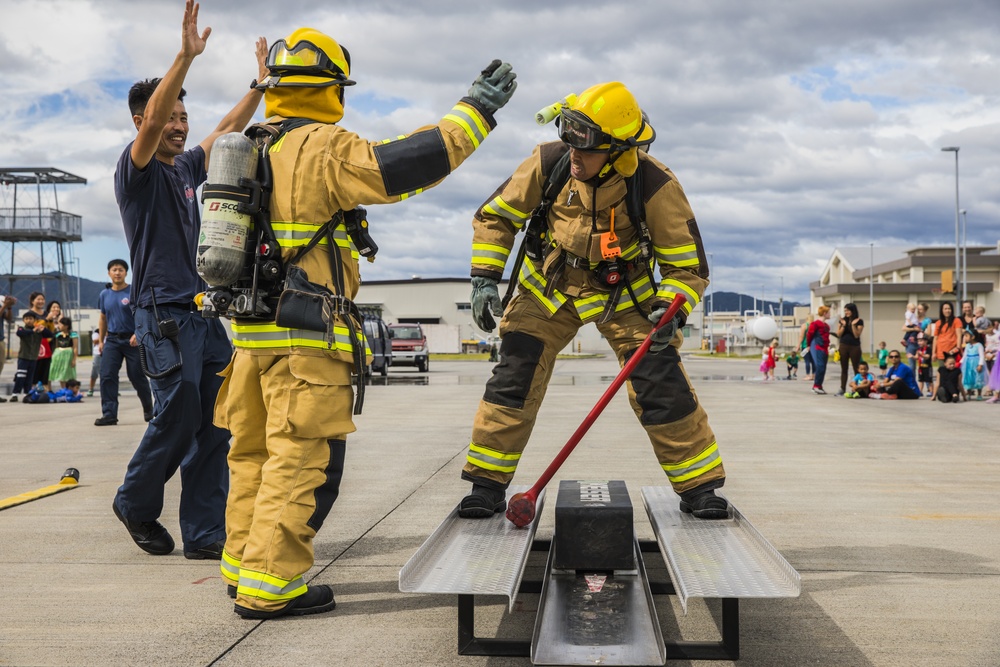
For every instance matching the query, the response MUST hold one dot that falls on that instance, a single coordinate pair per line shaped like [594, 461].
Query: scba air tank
[226, 226]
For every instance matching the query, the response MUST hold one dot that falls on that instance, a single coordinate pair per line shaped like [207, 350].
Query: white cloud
[792, 126]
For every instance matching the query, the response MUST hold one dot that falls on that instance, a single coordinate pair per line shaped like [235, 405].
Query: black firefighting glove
[485, 299]
[494, 86]
[661, 337]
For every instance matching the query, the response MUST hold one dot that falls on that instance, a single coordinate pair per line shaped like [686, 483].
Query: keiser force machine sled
[596, 603]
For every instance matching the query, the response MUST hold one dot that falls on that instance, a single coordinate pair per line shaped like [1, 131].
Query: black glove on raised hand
[661, 337]
[494, 86]
[485, 299]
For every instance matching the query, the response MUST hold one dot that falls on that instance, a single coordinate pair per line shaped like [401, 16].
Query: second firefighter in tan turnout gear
[287, 396]
[596, 264]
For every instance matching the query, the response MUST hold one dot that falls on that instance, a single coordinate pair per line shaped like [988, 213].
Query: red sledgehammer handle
[609, 393]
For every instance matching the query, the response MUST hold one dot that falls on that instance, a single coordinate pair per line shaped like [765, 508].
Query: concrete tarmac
[889, 510]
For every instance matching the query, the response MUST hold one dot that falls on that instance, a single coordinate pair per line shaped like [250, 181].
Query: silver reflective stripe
[304, 231]
[592, 306]
[686, 255]
[487, 253]
[533, 281]
[249, 582]
[265, 336]
[497, 206]
[669, 287]
[491, 459]
[696, 468]
[468, 122]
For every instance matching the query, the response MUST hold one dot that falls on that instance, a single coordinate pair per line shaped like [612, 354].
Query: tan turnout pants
[289, 416]
[659, 391]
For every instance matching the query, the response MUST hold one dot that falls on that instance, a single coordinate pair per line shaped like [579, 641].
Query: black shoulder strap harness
[535, 243]
[335, 303]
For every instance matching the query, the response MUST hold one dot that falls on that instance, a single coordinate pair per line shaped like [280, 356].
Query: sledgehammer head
[521, 509]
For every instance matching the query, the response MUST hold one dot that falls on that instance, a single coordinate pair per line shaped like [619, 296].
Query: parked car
[409, 346]
[379, 342]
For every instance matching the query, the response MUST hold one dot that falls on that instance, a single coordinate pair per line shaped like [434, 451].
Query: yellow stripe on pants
[282, 412]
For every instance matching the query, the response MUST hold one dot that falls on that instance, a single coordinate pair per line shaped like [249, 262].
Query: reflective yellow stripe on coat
[297, 234]
[591, 307]
[498, 207]
[670, 287]
[682, 256]
[267, 336]
[490, 255]
[587, 308]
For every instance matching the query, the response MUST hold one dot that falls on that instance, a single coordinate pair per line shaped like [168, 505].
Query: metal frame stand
[728, 648]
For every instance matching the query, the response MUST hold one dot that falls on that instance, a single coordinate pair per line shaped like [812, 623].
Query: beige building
[881, 281]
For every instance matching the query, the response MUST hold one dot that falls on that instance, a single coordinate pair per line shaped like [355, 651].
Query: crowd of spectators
[948, 359]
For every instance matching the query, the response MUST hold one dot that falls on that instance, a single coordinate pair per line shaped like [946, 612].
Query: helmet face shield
[307, 59]
[577, 131]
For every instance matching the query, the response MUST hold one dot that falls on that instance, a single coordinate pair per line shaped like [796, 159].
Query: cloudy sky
[794, 127]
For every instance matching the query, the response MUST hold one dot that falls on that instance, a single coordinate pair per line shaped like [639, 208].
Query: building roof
[39, 175]
[862, 257]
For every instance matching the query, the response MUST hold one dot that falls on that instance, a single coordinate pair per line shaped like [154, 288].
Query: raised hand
[262, 59]
[192, 44]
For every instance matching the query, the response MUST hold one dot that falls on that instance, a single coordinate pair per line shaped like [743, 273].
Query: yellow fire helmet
[606, 119]
[307, 74]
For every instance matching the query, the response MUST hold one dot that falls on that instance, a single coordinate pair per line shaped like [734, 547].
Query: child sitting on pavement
[861, 385]
[948, 387]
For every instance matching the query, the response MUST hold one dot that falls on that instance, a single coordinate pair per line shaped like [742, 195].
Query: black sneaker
[150, 536]
[482, 503]
[212, 551]
[13, 399]
[105, 421]
[316, 600]
[706, 505]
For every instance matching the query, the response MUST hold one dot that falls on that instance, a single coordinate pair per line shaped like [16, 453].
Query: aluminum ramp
[724, 558]
[470, 557]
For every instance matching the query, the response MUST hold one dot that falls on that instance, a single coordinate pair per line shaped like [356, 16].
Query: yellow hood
[627, 163]
[320, 104]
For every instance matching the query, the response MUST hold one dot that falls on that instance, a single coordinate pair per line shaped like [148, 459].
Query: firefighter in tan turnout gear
[287, 396]
[600, 216]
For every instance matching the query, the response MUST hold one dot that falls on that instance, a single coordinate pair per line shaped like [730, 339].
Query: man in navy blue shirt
[117, 335]
[181, 352]
[899, 381]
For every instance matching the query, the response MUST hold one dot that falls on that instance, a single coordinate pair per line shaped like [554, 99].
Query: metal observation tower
[40, 235]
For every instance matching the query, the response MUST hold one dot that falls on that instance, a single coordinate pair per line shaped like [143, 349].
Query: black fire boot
[482, 502]
[316, 600]
[704, 504]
